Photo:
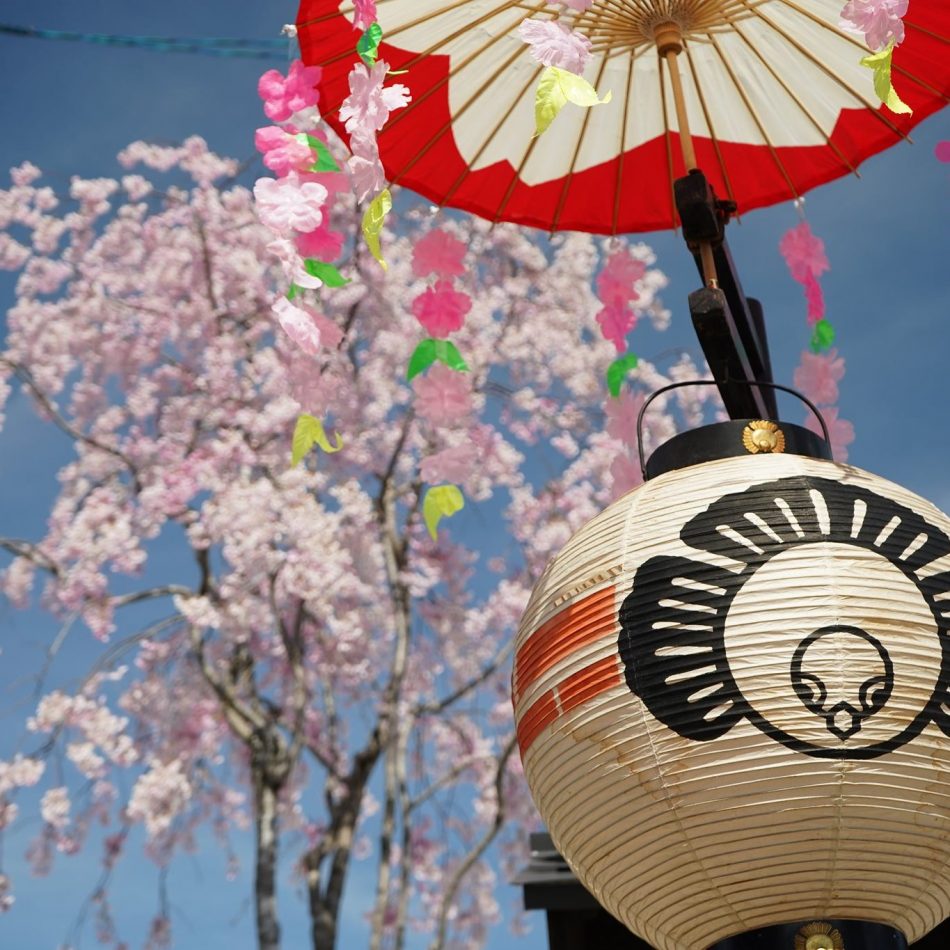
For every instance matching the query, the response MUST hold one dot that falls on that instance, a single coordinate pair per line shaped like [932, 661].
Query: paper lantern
[731, 695]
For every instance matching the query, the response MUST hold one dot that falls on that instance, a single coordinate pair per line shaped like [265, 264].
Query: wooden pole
[669, 44]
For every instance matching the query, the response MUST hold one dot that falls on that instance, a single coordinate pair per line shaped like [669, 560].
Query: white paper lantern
[731, 695]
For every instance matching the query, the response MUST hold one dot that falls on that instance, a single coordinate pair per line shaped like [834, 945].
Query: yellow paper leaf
[556, 88]
[309, 432]
[373, 220]
[440, 502]
[880, 64]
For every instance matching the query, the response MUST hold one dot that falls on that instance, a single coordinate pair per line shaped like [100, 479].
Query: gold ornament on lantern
[762, 436]
[730, 691]
[818, 936]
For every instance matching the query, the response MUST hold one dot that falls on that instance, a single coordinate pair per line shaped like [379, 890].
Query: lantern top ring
[716, 382]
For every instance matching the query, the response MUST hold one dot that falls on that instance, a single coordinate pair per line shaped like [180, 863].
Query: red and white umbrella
[776, 99]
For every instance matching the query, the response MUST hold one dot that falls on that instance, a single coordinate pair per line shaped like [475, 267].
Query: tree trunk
[265, 892]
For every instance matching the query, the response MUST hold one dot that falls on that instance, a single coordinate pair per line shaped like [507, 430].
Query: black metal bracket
[730, 326]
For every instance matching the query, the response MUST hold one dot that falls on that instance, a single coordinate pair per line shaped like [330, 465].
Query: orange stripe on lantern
[589, 682]
[582, 622]
[542, 713]
[583, 685]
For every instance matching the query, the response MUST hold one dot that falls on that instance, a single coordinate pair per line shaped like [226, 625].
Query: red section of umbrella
[633, 191]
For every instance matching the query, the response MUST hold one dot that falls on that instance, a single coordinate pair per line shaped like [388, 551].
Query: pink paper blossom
[283, 97]
[840, 430]
[616, 321]
[293, 264]
[878, 20]
[443, 396]
[310, 330]
[441, 309]
[618, 277]
[322, 243]
[450, 465]
[818, 375]
[287, 204]
[368, 106]
[283, 152]
[815, 299]
[553, 44]
[942, 151]
[438, 253]
[803, 252]
[364, 13]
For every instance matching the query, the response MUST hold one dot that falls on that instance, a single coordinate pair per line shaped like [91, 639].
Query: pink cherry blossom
[616, 321]
[287, 204]
[818, 374]
[441, 309]
[285, 96]
[942, 151]
[879, 21]
[364, 13]
[840, 430]
[443, 396]
[452, 465]
[282, 151]
[803, 252]
[438, 252]
[553, 44]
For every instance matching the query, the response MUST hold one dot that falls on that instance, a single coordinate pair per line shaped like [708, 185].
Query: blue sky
[70, 107]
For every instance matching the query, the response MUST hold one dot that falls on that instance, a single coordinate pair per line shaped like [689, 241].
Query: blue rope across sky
[206, 46]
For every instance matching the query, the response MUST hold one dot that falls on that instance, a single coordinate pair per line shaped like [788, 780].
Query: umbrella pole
[669, 44]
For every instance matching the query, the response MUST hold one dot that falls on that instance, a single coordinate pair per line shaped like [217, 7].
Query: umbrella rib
[456, 115]
[623, 142]
[562, 200]
[709, 122]
[755, 116]
[666, 137]
[795, 98]
[828, 72]
[925, 31]
[860, 46]
[471, 164]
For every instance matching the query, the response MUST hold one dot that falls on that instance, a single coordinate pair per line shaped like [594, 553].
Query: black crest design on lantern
[675, 621]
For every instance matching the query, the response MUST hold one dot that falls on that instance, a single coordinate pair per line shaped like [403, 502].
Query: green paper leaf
[440, 502]
[428, 351]
[556, 88]
[822, 336]
[446, 352]
[293, 290]
[617, 372]
[309, 432]
[325, 272]
[373, 221]
[880, 64]
[325, 161]
[368, 45]
[422, 358]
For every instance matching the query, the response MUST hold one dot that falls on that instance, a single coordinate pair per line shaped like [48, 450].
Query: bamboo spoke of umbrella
[618, 191]
[709, 122]
[569, 177]
[754, 114]
[795, 98]
[491, 136]
[447, 126]
[854, 41]
[804, 51]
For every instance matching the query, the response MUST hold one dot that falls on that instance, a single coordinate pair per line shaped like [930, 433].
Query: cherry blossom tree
[324, 670]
